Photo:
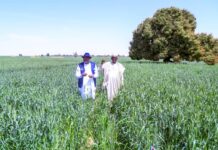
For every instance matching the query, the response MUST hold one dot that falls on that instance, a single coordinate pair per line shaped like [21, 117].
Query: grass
[169, 106]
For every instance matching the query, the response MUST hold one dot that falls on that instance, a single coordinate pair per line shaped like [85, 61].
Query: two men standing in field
[87, 72]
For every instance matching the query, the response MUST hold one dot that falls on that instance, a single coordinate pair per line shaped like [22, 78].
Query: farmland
[169, 106]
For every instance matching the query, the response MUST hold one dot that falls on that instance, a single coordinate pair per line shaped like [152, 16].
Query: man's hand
[90, 76]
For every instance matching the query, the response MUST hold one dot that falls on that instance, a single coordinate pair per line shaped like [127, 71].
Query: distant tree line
[170, 35]
[75, 54]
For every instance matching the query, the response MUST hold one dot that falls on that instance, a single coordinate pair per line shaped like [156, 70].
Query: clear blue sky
[34, 27]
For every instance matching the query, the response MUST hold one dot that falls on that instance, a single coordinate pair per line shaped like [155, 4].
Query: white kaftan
[113, 78]
[88, 87]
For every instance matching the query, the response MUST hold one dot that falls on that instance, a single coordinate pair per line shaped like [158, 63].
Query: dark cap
[87, 55]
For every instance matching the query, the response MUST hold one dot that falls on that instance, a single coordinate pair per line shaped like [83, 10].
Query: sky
[101, 27]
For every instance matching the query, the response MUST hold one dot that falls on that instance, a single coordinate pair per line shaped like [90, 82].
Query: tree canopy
[170, 35]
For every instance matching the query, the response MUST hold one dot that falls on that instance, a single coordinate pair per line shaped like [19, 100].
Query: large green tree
[169, 34]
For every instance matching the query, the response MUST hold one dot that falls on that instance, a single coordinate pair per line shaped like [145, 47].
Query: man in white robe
[86, 73]
[113, 77]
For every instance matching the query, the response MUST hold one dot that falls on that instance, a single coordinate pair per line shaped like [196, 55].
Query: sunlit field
[167, 106]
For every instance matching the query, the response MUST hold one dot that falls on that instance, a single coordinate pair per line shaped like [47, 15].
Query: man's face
[86, 60]
[114, 59]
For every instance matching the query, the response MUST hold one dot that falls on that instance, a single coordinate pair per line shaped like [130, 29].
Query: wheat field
[167, 106]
